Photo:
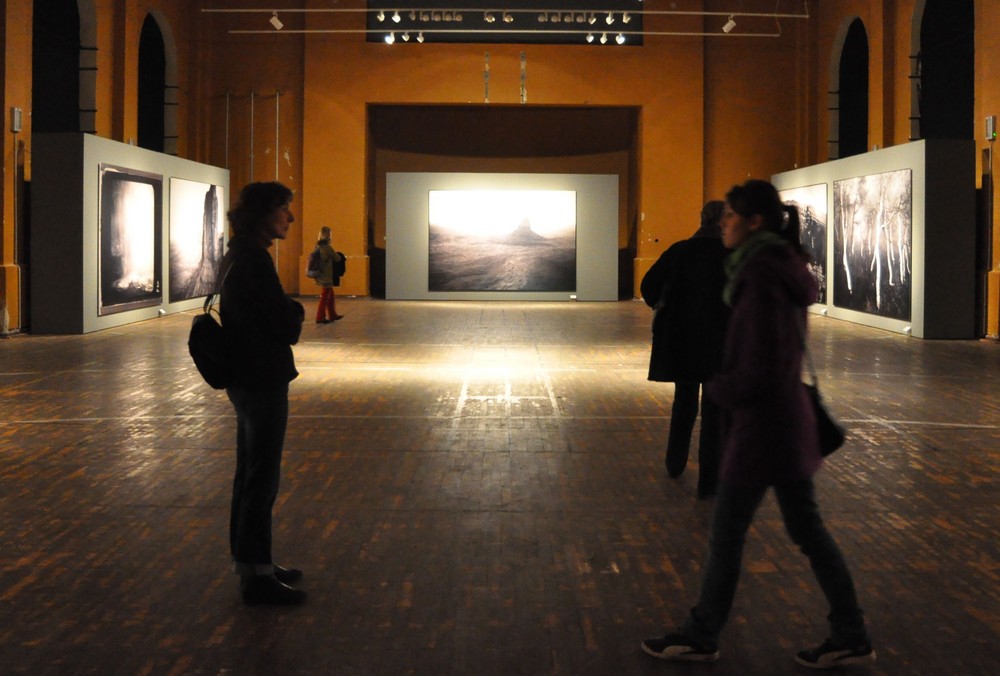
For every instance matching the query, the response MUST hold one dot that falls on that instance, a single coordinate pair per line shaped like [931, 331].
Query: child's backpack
[314, 267]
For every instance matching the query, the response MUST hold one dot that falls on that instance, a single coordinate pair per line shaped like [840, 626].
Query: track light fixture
[406, 37]
[620, 39]
[592, 19]
[390, 38]
[590, 37]
[626, 17]
[413, 15]
[276, 22]
[604, 38]
[396, 18]
[611, 18]
[488, 17]
[380, 16]
[420, 37]
[508, 17]
[730, 25]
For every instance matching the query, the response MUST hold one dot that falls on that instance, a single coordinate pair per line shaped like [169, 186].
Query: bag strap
[210, 298]
[800, 325]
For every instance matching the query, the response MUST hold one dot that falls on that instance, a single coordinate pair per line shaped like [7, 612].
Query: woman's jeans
[261, 419]
[734, 510]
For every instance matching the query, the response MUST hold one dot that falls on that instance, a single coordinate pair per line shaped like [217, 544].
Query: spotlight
[555, 18]
[447, 16]
[380, 16]
[424, 16]
[730, 25]
[508, 17]
[390, 38]
[542, 18]
[590, 37]
[276, 22]
[420, 38]
[626, 17]
[620, 39]
[413, 15]
[592, 19]
[458, 16]
[406, 37]
[604, 38]
[489, 18]
[396, 18]
[568, 18]
[611, 18]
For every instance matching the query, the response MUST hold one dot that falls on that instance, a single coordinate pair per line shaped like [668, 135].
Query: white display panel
[471, 236]
[900, 243]
[102, 276]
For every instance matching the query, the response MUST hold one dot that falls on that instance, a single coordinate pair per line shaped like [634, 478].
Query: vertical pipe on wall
[277, 137]
[227, 129]
[252, 93]
[277, 132]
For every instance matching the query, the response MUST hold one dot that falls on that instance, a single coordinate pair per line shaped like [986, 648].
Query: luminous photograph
[130, 227]
[872, 244]
[811, 203]
[197, 238]
[502, 240]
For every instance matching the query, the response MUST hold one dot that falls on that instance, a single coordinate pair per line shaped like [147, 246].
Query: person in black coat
[684, 286]
[260, 324]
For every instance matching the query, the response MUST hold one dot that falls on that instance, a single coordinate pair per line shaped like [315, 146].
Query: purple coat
[771, 436]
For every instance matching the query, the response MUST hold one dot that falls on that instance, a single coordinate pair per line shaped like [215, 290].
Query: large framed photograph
[873, 244]
[131, 225]
[502, 240]
[811, 202]
[197, 238]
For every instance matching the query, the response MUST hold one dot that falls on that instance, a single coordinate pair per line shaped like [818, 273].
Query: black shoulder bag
[831, 433]
[207, 343]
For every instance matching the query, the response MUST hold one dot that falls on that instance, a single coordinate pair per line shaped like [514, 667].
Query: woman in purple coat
[771, 440]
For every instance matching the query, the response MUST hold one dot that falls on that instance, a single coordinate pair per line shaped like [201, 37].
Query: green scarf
[738, 259]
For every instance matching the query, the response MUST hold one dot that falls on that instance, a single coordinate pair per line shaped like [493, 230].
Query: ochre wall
[344, 75]
[16, 36]
[712, 111]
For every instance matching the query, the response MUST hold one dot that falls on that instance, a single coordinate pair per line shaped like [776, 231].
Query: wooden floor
[474, 488]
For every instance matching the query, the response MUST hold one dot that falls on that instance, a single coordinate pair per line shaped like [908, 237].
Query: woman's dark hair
[256, 203]
[761, 197]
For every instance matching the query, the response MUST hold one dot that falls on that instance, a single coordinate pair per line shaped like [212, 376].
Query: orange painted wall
[343, 75]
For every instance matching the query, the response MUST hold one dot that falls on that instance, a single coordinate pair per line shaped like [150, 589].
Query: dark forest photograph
[872, 244]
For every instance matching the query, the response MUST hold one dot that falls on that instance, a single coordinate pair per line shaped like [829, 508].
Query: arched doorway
[943, 94]
[152, 85]
[849, 98]
[55, 66]
[157, 90]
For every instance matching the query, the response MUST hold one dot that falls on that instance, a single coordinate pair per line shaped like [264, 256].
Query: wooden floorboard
[474, 488]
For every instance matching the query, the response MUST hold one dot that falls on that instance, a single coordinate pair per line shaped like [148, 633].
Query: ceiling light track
[515, 21]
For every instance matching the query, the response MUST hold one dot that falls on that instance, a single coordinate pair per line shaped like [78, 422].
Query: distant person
[261, 324]
[772, 440]
[328, 278]
[684, 286]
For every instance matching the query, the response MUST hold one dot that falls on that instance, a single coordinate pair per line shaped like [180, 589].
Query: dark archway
[55, 66]
[152, 86]
[853, 99]
[946, 68]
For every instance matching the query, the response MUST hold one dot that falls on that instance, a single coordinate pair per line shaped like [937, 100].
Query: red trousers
[327, 305]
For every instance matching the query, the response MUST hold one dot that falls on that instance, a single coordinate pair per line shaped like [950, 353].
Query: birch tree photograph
[872, 244]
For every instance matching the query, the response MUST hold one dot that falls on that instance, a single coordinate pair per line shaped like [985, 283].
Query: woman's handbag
[207, 344]
[831, 433]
